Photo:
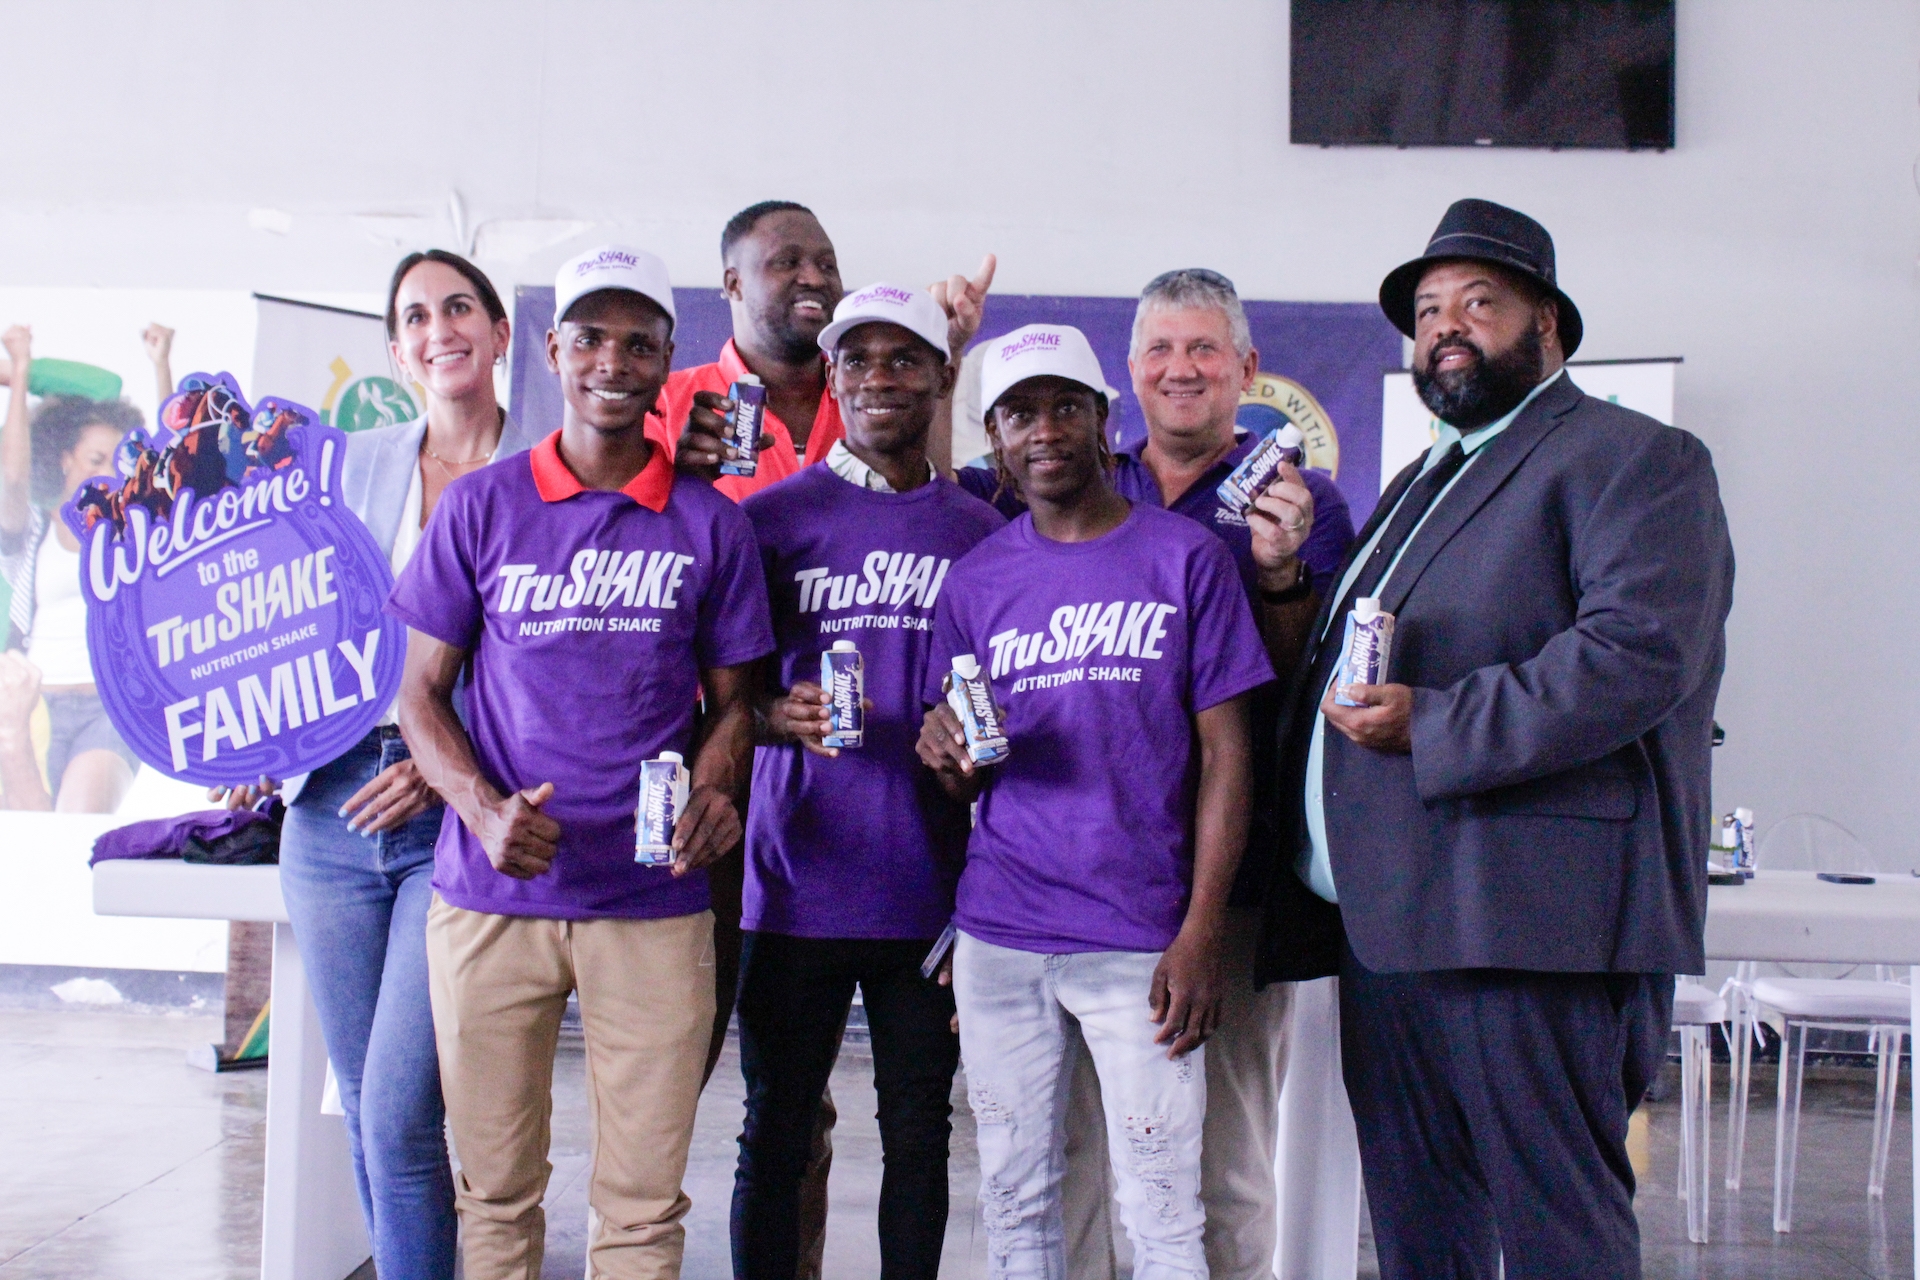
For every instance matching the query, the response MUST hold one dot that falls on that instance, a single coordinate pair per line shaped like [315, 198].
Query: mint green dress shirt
[1313, 864]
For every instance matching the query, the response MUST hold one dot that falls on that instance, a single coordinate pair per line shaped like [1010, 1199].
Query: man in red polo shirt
[783, 280]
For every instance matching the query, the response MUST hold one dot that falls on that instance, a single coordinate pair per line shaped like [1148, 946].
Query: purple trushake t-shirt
[865, 845]
[589, 616]
[1100, 654]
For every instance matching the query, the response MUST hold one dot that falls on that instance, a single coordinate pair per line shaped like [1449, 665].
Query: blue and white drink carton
[1367, 649]
[749, 398]
[663, 794]
[843, 676]
[1736, 835]
[1262, 467]
[941, 945]
[970, 694]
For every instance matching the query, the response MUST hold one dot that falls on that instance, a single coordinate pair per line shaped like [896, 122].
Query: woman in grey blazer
[356, 853]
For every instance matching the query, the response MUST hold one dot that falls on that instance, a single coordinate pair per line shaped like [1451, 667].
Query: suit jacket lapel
[387, 482]
[1479, 482]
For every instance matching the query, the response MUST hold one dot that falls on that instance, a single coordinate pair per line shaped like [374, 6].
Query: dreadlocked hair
[1004, 481]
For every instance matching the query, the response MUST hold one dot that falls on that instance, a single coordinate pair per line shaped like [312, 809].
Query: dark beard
[1485, 391]
[795, 345]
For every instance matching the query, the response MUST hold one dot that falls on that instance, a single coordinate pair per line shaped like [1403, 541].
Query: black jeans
[794, 997]
[1492, 1110]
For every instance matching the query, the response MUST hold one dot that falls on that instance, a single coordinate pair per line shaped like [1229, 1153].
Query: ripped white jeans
[1016, 1008]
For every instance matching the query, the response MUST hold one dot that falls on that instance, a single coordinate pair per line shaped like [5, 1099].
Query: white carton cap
[612, 266]
[1035, 351]
[1367, 608]
[912, 309]
[966, 666]
[842, 646]
[674, 756]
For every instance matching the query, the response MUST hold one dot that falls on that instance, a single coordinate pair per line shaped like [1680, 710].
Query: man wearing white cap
[1191, 357]
[852, 849]
[1117, 640]
[595, 597]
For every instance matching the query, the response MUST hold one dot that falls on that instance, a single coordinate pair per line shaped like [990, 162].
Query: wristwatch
[1302, 587]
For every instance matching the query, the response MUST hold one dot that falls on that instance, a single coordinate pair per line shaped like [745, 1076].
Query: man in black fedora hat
[1501, 849]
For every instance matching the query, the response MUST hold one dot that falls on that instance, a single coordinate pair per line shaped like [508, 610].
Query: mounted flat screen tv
[1486, 73]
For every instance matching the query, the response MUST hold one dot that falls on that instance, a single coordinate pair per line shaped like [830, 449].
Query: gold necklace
[447, 468]
[456, 462]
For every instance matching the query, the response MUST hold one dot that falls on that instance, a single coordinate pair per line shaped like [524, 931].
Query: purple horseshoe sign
[234, 604]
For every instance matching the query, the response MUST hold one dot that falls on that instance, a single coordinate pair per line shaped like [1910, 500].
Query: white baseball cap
[612, 266]
[1036, 351]
[912, 309]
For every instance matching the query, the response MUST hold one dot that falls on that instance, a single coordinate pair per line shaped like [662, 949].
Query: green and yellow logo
[362, 404]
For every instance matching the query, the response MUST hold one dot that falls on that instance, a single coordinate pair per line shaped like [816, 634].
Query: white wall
[1091, 146]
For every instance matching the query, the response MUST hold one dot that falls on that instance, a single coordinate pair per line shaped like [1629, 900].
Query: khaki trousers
[1246, 1066]
[500, 985]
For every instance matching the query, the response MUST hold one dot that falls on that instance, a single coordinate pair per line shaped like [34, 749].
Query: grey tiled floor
[118, 1160]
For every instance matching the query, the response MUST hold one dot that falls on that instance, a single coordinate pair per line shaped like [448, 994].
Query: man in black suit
[1501, 850]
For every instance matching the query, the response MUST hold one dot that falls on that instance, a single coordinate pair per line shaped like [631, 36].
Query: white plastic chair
[1799, 1004]
[1696, 1009]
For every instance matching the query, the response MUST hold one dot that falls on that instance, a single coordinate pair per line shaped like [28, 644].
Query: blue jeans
[359, 911]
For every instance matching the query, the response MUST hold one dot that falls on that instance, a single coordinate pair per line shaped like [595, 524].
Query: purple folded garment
[169, 837]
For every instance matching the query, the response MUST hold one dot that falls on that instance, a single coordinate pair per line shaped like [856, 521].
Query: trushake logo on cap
[882, 293]
[1030, 342]
[912, 309]
[604, 259]
[1039, 350]
[612, 266]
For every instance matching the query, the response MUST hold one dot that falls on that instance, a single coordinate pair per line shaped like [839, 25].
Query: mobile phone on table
[1844, 877]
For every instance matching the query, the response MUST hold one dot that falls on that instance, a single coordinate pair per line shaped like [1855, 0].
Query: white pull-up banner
[331, 358]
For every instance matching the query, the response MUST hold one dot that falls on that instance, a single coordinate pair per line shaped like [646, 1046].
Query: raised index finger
[983, 278]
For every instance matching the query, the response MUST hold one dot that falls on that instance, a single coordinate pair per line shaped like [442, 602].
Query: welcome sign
[235, 606]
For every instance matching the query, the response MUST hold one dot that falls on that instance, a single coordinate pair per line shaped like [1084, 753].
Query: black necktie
[1420, 495]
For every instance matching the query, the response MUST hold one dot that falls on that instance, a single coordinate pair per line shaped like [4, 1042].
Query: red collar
[556, 483]
[733, 368]
[731, 365]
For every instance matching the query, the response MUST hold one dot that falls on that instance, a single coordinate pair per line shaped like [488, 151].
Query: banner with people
[1320, 366]
[234, 603]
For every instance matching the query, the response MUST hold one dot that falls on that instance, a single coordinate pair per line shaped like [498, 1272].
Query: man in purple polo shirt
[853, 852]
[596, 597]
[1191, 357]
[1118, 641]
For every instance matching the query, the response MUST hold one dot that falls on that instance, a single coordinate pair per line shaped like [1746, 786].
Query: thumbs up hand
[519, 839]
